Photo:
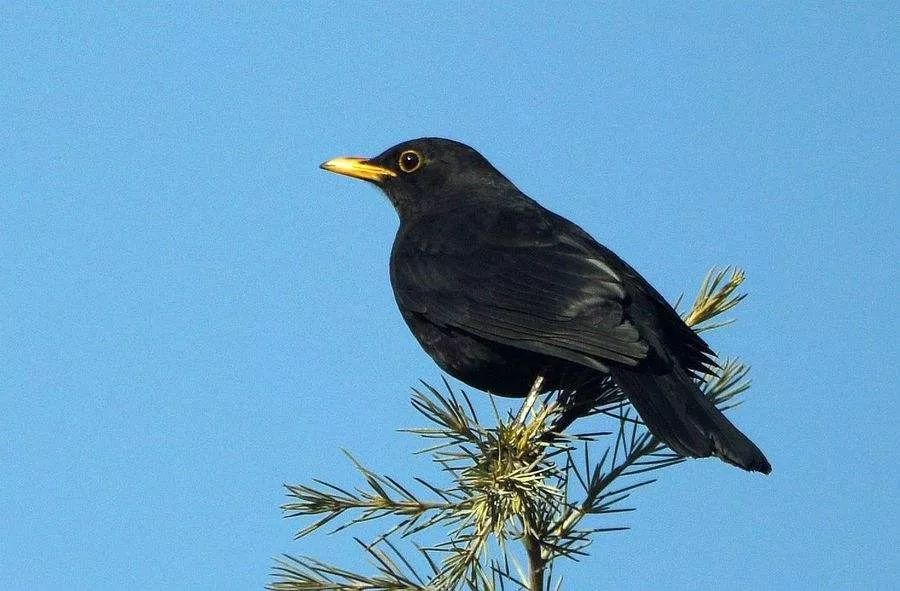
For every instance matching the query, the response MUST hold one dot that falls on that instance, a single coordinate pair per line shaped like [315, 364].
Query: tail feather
[675, 410]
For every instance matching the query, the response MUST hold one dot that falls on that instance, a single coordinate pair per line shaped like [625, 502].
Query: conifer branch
[510, 485]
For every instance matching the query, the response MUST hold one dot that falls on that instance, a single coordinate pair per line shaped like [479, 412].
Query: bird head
[419, 174]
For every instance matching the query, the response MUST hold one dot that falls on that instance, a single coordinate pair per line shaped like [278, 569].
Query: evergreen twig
[509, 484]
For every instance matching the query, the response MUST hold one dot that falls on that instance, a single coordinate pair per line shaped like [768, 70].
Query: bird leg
[530, 400]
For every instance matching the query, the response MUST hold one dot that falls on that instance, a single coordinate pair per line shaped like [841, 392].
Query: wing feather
[543, 299]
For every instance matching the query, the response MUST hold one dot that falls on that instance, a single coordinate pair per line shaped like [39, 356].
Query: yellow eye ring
[409, 161]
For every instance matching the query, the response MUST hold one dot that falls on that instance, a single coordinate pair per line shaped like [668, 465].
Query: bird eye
[410, 161]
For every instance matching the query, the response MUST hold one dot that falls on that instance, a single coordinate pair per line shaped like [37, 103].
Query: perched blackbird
[499, 291]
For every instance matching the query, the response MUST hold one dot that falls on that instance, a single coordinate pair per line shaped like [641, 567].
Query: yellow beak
[358, 168]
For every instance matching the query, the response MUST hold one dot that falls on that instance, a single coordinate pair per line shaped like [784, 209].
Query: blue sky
[194, 313]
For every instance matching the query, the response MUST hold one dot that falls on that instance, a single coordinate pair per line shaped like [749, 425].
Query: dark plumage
[499, 290]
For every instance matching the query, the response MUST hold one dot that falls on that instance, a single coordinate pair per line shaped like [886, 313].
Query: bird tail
[675, 410]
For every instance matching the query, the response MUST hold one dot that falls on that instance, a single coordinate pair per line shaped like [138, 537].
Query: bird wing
[538, 291]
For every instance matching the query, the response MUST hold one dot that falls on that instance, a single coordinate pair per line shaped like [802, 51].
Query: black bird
[499, 290]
